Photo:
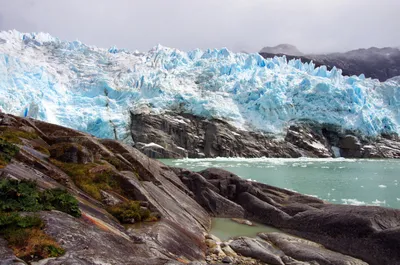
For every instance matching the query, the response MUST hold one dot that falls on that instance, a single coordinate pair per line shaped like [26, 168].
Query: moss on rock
[14, 135]
[7, 152]
[42, 150]
[91, 177]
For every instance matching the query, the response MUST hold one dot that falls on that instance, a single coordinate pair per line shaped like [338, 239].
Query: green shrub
[7, 152]
[24, 234]
[127, 211]
[24, 195]
[19, 196]
[29, 221]
[14, 220]
[61, 200]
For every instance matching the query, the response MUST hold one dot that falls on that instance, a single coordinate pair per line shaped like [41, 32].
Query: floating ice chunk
[377, 202]
[382, 186]
[352, 202]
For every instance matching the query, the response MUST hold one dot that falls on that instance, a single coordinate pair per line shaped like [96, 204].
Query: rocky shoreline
[272, 248]
[179, 205]
[174, 135]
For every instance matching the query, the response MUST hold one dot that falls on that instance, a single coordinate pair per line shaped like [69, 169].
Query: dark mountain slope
[377, 63]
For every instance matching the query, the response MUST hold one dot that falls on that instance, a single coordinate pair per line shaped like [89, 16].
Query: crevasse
[94, 90]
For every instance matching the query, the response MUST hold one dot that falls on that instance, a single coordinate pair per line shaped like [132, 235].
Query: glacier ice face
[94, 90]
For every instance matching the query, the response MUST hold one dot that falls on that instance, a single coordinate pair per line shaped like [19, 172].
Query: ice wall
[93, 89]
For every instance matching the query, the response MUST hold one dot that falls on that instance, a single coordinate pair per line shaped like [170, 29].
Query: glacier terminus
[95, 90]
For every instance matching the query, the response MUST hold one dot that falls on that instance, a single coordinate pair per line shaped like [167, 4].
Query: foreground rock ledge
[186, 201]
[369, 233]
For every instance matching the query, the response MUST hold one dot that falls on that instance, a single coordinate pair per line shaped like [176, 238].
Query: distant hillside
[377, 63]
[282, 49]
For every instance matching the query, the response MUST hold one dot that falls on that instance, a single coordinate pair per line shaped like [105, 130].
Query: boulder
[257, 249]
[227, 260]
[109, 199]
[307, 251]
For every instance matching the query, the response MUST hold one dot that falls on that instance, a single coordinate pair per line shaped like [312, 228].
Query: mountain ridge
[380, 63]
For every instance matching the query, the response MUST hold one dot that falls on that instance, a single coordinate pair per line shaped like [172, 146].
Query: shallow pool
[225, 228]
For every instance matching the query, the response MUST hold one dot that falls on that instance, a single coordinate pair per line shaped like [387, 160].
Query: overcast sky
[311, 25]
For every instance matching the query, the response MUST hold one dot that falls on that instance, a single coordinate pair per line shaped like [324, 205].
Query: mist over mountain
[282, 49]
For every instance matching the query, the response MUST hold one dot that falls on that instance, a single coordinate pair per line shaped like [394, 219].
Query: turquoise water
[225, 228]
[344, 181]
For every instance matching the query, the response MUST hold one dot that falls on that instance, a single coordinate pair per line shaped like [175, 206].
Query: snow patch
[149, 145]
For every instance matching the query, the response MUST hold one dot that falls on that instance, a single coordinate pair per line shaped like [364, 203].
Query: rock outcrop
[181, 204]
[185, 135]
[97, 237]
[371, 234]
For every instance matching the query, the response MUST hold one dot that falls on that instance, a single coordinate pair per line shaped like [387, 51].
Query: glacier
[95, 90]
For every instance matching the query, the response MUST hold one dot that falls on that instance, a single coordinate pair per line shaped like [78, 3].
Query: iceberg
[95, 90]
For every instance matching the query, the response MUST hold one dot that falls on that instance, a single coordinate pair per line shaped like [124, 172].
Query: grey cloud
[312, 25]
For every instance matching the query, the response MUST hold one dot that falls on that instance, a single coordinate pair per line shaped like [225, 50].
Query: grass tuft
[129, 212]
[90, 180]
[42, 150]
[14, 135]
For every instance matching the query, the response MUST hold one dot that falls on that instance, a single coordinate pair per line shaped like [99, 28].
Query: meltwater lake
[337, 180]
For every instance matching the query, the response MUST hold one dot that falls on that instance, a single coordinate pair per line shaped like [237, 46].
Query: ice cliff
[94, 90]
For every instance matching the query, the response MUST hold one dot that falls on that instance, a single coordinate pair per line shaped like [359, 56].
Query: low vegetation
[93, 178]
[24, 231]
[42, 150]
[7, 152]
[118, 164]
[14, 135]
[26, 238]
[90, 180]
[24, 196]
[129, 212]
